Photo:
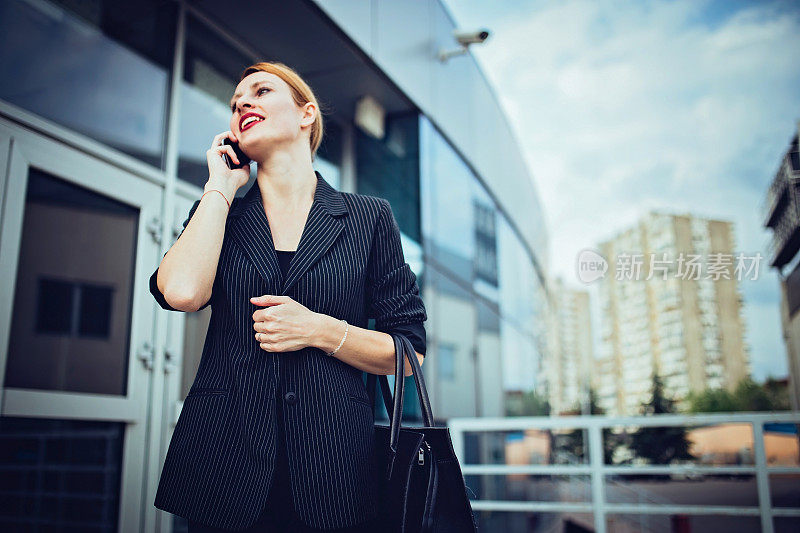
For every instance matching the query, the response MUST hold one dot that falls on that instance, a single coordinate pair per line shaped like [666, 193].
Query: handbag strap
[419, 380]
[394, 406]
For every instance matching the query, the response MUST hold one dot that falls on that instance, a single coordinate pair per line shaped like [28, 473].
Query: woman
[276, 433]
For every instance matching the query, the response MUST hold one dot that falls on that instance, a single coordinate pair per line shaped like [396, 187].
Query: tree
[529, 403]
[772, 395]
[660, 445]
[574, 442]
[713, 401]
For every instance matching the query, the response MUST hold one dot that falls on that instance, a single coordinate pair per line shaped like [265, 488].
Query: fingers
[220, 136]
[219, 149]
[218, 139]
[229, 150]
[261, 335]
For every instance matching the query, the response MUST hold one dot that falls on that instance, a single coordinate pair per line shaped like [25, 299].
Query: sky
[620, 107]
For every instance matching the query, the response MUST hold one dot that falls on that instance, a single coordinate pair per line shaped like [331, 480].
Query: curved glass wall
[447, 183]
[486, 299]
[99, 68]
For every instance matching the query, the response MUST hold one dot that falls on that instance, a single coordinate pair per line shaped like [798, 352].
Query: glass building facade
[106, 112]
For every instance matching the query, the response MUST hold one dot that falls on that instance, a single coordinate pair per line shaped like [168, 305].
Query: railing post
[762, 477]
[596, 460]
[457, 439]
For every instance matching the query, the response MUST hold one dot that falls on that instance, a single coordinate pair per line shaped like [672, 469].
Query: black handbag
[421, 487]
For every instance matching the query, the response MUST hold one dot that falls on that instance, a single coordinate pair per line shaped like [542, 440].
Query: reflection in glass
[523, 331]
[528, 487]
[84, 309]
[525, 447]
[445, 358]
[530, 522]
[484, 275]
[211, 73]
[486, 218]
[783, 490]
[60, 475]
[389, 168]
[457, 394]
[654, 523]
[194, 336]
[84, 69]
[448, 193]
[739, 490]
[328, 160]
[786, 524]
[782, 445]
[74, 290]
[489, 359]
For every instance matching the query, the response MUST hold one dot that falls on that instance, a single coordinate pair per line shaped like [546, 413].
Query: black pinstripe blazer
[349, 264]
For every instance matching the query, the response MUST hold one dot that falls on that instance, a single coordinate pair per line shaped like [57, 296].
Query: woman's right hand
[218, 171]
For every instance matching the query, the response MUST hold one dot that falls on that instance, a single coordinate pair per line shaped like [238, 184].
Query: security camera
[466, 38]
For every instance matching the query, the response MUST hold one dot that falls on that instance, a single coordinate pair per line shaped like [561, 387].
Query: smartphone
[243, 159]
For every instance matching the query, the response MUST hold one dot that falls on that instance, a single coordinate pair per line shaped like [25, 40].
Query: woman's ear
[309, 114]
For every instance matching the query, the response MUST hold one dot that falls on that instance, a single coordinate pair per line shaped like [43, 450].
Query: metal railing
[597, 470]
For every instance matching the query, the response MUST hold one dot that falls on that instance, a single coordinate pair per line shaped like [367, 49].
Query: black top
[415, 332]
[284, 258]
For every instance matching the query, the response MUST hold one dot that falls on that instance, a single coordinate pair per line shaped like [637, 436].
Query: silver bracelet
[346, 329]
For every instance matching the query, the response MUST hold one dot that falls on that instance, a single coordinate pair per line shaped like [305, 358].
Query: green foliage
[573, 443]
[660, 445]
[530, 403]
[713, 401]
[772, 395]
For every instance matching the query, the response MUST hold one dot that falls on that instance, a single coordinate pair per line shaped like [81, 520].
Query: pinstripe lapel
[250, 228]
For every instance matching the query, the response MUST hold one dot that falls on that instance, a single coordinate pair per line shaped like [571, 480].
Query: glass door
[78, 238]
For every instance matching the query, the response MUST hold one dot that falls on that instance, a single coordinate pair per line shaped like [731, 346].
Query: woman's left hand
[285, 326]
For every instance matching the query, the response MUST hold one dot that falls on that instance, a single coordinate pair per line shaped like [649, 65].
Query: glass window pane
[211, 73]
[625, 523]
[54, 294]
[456, 389]
[328, 160]
[60, 475]
[447, 182]
[446, 356]
[194, 337]
[95, 311]
[389, 168]
[79, 302]
[100, 68]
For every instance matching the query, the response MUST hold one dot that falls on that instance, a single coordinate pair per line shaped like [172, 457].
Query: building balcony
[782, 209]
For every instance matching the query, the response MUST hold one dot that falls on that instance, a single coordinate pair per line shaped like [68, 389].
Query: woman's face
[281, 121]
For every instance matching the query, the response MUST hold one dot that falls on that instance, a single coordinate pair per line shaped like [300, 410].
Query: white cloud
[625, 106]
